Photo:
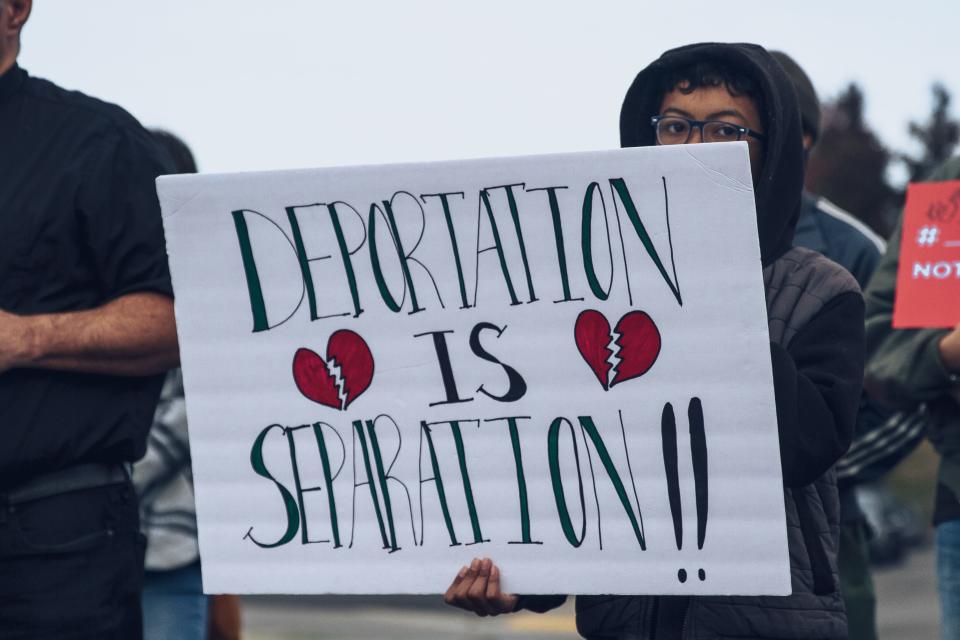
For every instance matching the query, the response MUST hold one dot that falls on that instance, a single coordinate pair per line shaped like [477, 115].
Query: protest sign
[928, 278]
[560, 362]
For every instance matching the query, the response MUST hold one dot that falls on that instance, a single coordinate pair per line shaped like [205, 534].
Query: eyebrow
[712, 116]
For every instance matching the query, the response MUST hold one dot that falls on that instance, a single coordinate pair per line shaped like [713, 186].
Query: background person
[174, 606]
[882, 437]
[911, 367]
[86, 330]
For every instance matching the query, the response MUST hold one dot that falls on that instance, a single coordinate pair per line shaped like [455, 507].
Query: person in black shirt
[86, 331]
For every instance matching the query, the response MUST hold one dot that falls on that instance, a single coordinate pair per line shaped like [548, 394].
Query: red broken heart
[315, 378]
[639, 344]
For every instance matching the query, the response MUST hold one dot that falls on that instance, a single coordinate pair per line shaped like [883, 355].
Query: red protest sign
[928, 280]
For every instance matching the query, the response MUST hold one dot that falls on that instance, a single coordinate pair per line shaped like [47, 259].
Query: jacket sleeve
[904, 366]
[817, 381]
[864, 262]
[168, 446]
[539, 604]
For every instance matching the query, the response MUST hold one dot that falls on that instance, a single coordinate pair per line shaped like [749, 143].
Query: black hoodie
[815, 409]
[781, 181]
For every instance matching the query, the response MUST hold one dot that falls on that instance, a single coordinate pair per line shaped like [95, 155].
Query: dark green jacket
[904, 368]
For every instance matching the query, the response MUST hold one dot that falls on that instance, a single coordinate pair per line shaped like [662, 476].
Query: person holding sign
[915, 366]
[738, 92]
[86, 331]
[882, 437]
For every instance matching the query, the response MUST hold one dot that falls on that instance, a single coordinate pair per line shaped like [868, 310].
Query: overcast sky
[297, 83]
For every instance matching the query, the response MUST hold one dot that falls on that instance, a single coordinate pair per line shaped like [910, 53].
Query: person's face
[13, 15]
[716, 103]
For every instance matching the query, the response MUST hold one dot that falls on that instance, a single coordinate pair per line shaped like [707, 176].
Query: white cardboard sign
[560, 362]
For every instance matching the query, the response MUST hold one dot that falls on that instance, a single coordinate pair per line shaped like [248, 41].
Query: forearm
[905, 368]
[134, 335]
[539, 604]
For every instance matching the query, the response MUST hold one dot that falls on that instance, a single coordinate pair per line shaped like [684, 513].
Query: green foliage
[937, 137]
[849, 164]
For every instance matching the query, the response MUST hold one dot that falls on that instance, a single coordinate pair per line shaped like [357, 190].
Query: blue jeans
[948, 577]
[174, 607]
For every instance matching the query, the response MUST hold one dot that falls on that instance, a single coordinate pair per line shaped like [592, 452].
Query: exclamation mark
[668, 432]
[698, 454]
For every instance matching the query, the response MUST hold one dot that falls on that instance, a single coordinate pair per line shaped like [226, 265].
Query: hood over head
[778, 190]
[811, 115]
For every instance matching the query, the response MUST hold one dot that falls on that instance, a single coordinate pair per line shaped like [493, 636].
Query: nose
[696, 135]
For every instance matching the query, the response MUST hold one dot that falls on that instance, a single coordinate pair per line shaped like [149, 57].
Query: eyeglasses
[678, 130]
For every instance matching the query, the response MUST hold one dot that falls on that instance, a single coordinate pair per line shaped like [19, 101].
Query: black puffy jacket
[815, 317]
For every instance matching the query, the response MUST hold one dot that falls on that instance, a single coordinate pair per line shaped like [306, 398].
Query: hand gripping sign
[560, 362]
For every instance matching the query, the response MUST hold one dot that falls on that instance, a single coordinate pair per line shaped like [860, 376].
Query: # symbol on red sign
[339, 379]
[927, 236]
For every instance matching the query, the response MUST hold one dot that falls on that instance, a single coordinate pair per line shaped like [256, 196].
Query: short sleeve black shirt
[79, 226]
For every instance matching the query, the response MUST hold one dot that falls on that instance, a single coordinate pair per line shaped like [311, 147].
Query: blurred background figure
[224, 617]
[919, 370]
[173, 602]
[174, 606]
[882, 437]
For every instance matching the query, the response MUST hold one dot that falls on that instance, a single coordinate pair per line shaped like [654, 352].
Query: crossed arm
[133, 335]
